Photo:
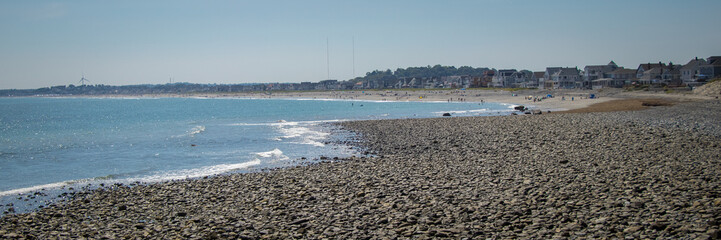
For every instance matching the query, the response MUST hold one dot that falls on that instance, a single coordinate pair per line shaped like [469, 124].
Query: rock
[446, 114]
[632, 229]
[300, 221]
[11, 235]
[659, 226]
[601, 220]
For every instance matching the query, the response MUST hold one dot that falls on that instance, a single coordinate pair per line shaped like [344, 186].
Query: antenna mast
[83, 80]
[327, 56]
[353, 57]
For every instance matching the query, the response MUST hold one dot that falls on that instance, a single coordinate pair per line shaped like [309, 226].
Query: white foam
[304, 132]
[281, 123]
[36, 188]
[265, 124]
[196, 172]
[294, 132]
[196, 130]
[274, 152]
[464, 111]
[166, 176]
[192, 132]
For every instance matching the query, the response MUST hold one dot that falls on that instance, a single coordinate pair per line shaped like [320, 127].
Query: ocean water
[53, 143]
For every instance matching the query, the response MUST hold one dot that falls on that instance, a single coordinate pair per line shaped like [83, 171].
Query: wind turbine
[83, 80]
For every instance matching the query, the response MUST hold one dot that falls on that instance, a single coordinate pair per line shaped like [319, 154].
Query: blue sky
[46, 43]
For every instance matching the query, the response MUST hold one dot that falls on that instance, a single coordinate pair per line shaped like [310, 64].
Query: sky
[49, 43]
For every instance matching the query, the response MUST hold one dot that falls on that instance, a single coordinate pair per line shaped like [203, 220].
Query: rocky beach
[653, 173]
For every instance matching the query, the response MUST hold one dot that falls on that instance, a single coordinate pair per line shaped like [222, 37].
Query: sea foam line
[192, 132]
[196, 172]
[288, 123]
[167, 176]
[274, 152]
[464, 111]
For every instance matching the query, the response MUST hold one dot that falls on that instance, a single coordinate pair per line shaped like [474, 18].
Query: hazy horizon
[47, 43]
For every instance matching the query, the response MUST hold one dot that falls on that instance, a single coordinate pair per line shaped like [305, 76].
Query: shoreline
[563, 100]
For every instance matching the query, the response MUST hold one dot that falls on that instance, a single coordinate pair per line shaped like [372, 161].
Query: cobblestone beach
[654, 173]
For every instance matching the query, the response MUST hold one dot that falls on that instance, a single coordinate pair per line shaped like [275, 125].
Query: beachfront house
[483, 81]
[548, 83]
[537, 80]
[594, 72]
[671, 75]
[329, 84]
[622, 76]
[712, 68]
[690, 71]
[648, 73]
[564, 78]
[524, 79]
[504, 78]
[456, 81]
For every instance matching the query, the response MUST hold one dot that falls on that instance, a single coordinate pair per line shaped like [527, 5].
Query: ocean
[54, 144]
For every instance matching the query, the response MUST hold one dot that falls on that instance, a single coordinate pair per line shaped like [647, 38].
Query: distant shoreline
[561, 100]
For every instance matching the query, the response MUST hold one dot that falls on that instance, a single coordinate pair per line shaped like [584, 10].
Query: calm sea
[52, 143]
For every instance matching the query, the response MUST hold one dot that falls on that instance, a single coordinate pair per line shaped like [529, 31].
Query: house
[622, 76]
[329, 84]
[651, 76]
[504, 78]
[671, 75]
[306, 86]
[593, 72]
[523, 79]
[565, 78]
[712, 68]
[456, 81]
[690, 71]
[484, 80]
[646, 73]
[538, 80]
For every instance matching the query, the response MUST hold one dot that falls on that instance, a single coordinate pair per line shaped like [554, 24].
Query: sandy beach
[560, 100]
[651, 173]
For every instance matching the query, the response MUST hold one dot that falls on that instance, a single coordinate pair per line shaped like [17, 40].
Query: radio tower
[327, 56]
[83, 80]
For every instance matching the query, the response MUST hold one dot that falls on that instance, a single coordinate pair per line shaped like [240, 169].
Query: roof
[648, 66]
[713, 60]
[695, 63]
[553, 69]
[569, 71]
[623, 71]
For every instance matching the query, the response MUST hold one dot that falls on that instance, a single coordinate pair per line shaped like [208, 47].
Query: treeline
[436, 71]
[374, 79]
